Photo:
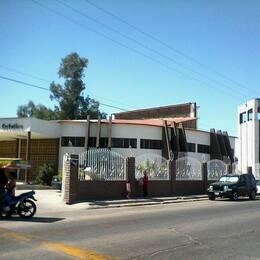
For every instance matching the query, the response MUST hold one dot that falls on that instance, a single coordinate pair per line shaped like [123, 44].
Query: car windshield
[229, 179]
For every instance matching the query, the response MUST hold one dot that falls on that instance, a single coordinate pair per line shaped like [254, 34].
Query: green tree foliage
[69, 97]
[39, 111]
[45, 174]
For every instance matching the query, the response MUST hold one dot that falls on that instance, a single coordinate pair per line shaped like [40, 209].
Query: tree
[38, 111]
[71, 103]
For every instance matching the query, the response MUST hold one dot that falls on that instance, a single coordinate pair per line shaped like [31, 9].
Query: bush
[45, 174]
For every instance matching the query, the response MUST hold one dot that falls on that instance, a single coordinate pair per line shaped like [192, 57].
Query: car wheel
[252, 195]
[212, 197]
[235, 196]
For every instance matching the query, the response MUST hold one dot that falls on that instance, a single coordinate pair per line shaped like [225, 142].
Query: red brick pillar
[204, 172]
[70, 178]
[172, 174]
[130, 174]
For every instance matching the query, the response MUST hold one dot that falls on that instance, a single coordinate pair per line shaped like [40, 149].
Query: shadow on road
[242, 199]
[35, 219]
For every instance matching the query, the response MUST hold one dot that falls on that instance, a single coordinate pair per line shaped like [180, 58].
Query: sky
[142, 53]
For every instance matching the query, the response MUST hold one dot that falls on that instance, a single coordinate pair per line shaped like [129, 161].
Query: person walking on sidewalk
[145, 184]
[128, 188]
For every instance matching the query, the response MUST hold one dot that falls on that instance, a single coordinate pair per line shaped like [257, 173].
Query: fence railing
[215, 169]
[154, 165]
[101, 164]
[188, 168]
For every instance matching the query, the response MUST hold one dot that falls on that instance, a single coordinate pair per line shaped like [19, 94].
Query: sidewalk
[49, 199]
[99, 204]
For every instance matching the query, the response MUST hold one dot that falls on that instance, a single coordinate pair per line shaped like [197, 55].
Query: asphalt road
[220, 229]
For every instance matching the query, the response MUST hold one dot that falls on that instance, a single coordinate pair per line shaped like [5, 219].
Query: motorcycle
[23, 205]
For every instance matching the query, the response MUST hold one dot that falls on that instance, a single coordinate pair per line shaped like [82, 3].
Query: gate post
[70, 178]
[204, 172]
[249, 170]
[229, 168]
[172, 173]
[130, 173]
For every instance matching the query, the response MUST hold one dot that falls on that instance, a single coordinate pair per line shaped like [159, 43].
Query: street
[220, 229]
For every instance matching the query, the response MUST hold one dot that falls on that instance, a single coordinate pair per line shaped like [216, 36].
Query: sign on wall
[12, 126]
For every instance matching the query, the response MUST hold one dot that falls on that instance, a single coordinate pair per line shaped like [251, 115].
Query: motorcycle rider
[11, 183]
[3, 183]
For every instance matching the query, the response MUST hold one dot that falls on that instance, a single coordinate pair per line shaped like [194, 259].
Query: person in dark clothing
[3, 182]
[145, 184]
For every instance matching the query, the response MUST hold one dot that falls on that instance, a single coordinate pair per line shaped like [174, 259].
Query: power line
[188, 57]
[46, 89]
[24, 74]
[132, 49]
[48, 81]
[141, 44]
[24, 83]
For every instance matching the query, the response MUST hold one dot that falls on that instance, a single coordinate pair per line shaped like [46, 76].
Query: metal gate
[188, 168]
[216, 168]
[154, 165]
[101, 164]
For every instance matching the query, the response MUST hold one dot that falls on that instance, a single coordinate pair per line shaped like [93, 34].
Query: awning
[14, 164]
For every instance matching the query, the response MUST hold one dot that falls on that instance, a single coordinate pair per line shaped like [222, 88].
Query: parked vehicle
[56, 182]
[23, 205]
[233, 186]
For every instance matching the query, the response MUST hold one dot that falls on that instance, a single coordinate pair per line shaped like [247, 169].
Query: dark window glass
[202, 148]
[191, 147]
[92, 141]
[132, 143]
[258, 113]
[242, 117]
[150, 144]
[250, 114]
[72, 141]
[242, 179]
[103, 142]
[124, 142]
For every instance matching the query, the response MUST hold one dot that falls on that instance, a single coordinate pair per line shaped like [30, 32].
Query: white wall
[248, 132]
[133, 131]
[197, 137]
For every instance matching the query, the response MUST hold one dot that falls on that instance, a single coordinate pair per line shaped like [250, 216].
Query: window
[242, 117]
[124, 142]
[258, 113]
[150, 144]
[103, 142]
[72, 141]
[229, 179]
[250, 114]
[202, 148]
[92, 141]
[191, 147]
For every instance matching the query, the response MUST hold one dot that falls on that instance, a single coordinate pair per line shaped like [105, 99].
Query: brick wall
[42, 151]
[75, 190]
[182, 110]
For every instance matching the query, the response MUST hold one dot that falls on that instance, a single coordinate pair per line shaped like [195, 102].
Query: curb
[181, 200]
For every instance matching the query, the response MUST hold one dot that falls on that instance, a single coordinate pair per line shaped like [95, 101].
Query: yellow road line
[73, 251]
[15, 235]
[76, 251]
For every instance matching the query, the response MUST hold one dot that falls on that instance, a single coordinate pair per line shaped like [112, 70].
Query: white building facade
[129, 138]
[249, 136]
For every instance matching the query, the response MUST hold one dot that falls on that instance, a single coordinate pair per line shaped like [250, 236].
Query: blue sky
[221, 35]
